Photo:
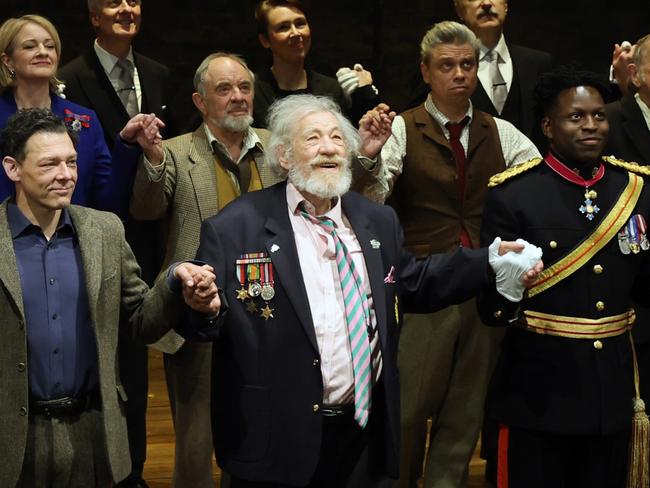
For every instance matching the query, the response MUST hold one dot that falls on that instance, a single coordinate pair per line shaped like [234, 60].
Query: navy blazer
[104, 180]
[267, 385]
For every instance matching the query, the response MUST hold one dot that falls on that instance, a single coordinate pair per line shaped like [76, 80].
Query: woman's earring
[12, 74]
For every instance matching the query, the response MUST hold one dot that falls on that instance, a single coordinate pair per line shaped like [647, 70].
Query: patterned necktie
[357, 317]
[125, 86]
[499, 86]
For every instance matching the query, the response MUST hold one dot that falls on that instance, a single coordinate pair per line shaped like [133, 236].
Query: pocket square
[390, 278]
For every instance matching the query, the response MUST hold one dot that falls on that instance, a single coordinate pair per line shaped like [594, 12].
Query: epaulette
[630, 166]
[499, 178]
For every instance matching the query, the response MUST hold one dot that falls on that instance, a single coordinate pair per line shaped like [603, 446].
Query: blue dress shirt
[61, 347]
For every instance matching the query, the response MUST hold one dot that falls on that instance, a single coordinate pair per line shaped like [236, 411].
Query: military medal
[268, 290]
[588, 208]
[267, 312]
[242, 294]
[624, 241]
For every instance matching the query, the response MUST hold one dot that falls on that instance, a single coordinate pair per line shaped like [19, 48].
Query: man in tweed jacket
[69, 284]
[190, 178]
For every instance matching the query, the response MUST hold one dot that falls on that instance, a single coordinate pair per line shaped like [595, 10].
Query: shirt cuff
[155, 173]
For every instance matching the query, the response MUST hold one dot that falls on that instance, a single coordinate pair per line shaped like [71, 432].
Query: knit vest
[426, 195]
[226, 189]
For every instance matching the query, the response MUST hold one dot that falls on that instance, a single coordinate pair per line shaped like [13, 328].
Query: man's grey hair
[283, 118]
[199, 75]
[641, 52]
[447, 32]
[95, 5]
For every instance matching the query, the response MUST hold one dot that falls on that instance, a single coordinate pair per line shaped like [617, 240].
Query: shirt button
[600, 306]
[315, 407]
[552, 244]
[598, 345]
[598, 269]
[52, 280]
[315, 363]
[23, 411]
[21, 367]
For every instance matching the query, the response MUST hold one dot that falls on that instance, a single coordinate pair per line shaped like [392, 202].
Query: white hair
[282, 120]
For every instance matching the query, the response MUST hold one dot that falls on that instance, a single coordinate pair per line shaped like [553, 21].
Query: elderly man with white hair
[313, 282]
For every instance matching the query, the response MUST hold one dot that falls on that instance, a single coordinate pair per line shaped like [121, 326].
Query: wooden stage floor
[160, 435]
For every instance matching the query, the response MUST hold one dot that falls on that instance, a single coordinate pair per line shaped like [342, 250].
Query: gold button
[600, 306]
[598, 269]
[552, 244]
[598, 345]
[497, 314]
[315, 407]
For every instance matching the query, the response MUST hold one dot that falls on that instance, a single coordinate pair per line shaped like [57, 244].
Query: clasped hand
[516, 266]
[199, 288]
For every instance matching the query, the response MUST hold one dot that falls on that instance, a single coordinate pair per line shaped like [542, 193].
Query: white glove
[510, 267]
[349, 80]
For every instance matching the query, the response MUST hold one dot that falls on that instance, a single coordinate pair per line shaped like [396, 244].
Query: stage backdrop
[383, 35]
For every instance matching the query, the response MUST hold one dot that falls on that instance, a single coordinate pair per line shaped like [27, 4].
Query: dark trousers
[342, 446]
[529, 459]
[66, 452]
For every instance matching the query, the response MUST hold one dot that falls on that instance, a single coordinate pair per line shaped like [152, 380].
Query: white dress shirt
[317, 260]
[505, 66]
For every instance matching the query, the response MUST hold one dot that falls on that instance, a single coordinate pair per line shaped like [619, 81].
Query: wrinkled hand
[144, 129]
[516, 266]
[199, 288]
[621, 58]
[375, 129]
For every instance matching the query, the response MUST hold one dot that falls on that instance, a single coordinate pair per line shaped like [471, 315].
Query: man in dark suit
[96, 80]
[70, 284]
[314, 281]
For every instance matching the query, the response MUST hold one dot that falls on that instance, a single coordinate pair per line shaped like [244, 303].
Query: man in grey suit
[190, 178]
[70, 284]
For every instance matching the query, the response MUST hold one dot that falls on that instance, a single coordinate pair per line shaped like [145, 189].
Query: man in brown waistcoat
[435, 167]
[185, 180]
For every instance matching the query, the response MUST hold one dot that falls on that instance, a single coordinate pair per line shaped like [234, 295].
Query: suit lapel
[636, 127]
[99, 89]
[203, 174]
[374, 264]
[526, 81]
[8, 266]
[152, 94]
[92, 250]
[281, 248]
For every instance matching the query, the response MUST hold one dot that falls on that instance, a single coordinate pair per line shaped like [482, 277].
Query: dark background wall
[383, 35]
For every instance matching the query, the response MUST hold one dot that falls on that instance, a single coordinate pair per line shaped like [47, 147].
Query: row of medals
[256, 289]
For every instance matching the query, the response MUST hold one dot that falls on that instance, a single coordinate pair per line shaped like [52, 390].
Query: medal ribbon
[570, 175]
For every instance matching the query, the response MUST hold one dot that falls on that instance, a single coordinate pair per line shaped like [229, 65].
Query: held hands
[516, 266]
[375, 129]
[144, 129]
[199, 289]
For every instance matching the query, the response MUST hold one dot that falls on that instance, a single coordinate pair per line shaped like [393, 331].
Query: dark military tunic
[556, 384]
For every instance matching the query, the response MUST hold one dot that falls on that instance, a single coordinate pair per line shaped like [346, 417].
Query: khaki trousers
[445, 360]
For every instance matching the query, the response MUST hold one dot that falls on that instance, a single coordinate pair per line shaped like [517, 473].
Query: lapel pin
[275, 247]
[375, 243]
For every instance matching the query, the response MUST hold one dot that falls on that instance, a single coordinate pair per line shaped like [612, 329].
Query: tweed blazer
[186, 194]
[117, 297]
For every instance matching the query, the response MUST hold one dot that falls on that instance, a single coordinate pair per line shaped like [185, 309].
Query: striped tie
[357, 316]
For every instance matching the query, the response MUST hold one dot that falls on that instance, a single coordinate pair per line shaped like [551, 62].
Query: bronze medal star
[251, 307]
[242, 294]
[267, 312]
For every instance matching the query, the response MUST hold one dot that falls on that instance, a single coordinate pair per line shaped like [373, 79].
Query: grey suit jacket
[117, 297]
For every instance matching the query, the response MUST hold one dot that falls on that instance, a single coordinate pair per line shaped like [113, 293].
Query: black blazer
[86, 83]
[629, 138]
[266, 375]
